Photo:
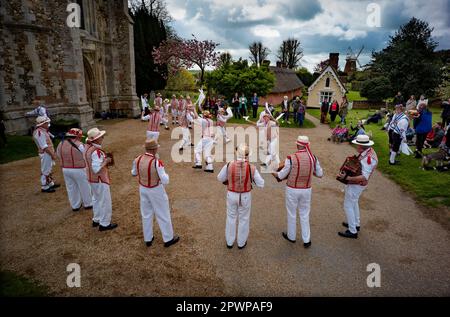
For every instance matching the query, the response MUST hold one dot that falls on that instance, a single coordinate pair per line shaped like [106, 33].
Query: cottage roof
[285, 80]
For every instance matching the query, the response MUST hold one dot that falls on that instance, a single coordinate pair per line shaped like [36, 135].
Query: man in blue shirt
[255, 101]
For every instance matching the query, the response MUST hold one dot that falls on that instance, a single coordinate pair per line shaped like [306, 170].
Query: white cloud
[265, 31]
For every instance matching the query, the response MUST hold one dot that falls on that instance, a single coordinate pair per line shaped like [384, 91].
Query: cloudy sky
[322, 26]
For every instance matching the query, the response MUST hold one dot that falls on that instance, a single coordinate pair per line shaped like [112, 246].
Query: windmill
[351, 60]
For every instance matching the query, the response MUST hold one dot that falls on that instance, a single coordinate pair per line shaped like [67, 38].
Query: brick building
[76, 72]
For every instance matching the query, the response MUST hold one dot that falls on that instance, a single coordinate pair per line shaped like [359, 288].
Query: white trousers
[102, 206]
[165, 120]
[298, 199]
[204, 145]
[272, 156]
[78, 188]
[223, 132]
[186, 137]
[154, 201]
[46, 170]
[152, 135]
[351, 205]
[238, 210]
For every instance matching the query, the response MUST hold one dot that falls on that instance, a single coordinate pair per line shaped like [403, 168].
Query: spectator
[334, 110]
[358, 130]
[411, 103]
[422, 100]
[398, 99]
[434, 137]
[445, 115]
[422, 125]
[343, 110]
[285, 109]
[377, 116]
[39, 109]
[235, 105]
[255, 103]
[324, 110]
[300, 114]
[442, 154]
[339, 134]
[243, 105]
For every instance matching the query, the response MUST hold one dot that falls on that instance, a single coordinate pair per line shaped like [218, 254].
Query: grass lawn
[431, 188]
[13, 285]
[18, 148]
[306, 123]
[354, 95]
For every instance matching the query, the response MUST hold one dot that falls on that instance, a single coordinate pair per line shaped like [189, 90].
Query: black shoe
[209, 171]
[263, 164]
[348, 234]
[307, 245]
[111, 226]
[197, 166]
[192, 144]
[395, 163]
[284, 234]
[88, 208]
[55, 186]
[229, 246]
[95, 224]
[418, 155]
[76, 209]
[180, 150]
[245, 244]
[48, 190]
[346, 226]
[190, 128]
[173, 241]
[149, 243]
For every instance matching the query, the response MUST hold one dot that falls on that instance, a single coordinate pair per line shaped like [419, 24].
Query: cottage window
[327, 82]
[325, 94]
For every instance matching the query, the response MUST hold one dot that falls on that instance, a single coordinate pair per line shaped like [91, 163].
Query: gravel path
[40, 235]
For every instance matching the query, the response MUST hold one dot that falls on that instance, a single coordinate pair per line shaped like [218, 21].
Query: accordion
[351, 167]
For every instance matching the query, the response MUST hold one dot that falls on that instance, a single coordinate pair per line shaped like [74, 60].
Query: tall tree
[290, 53]
[225, 59]
[258, 53]
[409, 61]
[187, 53]
[149, 31]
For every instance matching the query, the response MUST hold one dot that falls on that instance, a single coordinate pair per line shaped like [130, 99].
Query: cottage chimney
[334, 60]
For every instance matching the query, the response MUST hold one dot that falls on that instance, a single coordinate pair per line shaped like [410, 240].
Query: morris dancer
[174, 109]
[181, 106]
[71, 155]
[205, 145]
[97, 169]
[298, 170]
[223, 116]
[270, 127]
[188, 104]
[185, 118]
[154, 201]
[165, 114]
[154, 119]
[158, 101]
[41, 137]
[357, 184]
[200, 100]
[397, 132]
[144, 101]
[239, 175]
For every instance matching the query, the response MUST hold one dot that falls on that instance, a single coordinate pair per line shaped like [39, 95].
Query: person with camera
[298, 170]
[367, 161]
[238, 176]
[97, 162]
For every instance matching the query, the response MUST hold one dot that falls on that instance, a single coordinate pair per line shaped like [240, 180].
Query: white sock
[392, 158]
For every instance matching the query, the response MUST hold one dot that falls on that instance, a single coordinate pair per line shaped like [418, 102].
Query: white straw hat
[94, 133]
[302, 140]
[42, 120]
[363, 139]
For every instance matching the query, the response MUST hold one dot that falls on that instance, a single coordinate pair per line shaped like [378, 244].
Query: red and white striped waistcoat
[146, 168]
[71, 157]
[154, 121]
[240, 176]
[181, 104]
[184, 123]
[158, 101]
[207, 128]
[37, 133]
[103, 175]
[302, 168]
[174, 104]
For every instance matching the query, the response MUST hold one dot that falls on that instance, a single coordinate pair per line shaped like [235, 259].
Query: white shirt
[287, 169]
[257, 179]
[96, 160]
[41, 140]
[366, 168]
[163, 176]
[144, 102]
[40, 111]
